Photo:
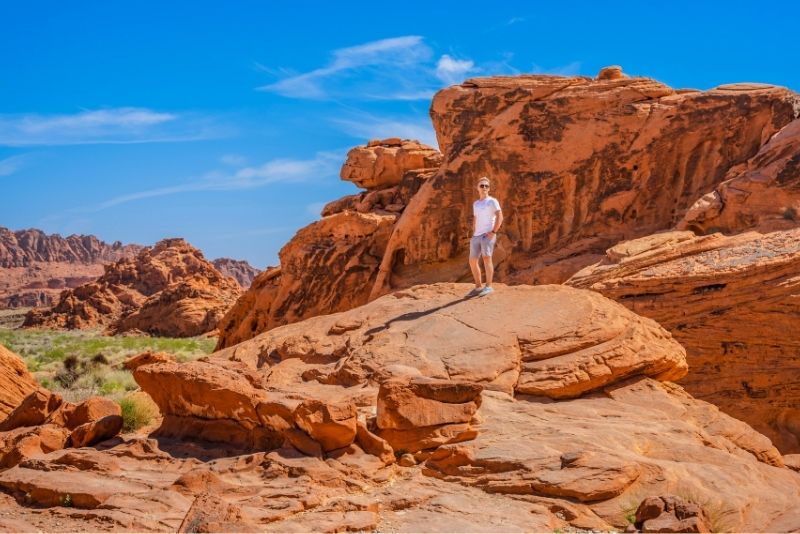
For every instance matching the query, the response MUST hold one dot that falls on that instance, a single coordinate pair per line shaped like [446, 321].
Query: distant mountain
[243, 272]
[22, 248]
[36, 266]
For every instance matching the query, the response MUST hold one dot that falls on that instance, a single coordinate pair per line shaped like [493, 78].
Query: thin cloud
[451, 70]
[383, 61]
[11, 165]
[323, 165]
[106, 126]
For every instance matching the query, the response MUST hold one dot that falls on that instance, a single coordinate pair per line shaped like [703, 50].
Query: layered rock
[169, 289]
[762, 194]
[330, 394]
[43, 422]
[240, 270]
[732, 302]
[349, 240]
[36, 267]
[577, 165]
[15, 381]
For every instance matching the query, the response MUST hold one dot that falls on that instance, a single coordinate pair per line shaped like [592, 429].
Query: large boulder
[169, 290]
[15, 381]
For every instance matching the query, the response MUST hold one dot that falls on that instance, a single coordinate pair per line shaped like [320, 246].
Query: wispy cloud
[451, 70]
[11, 165]
[323, 165]
[368, 126]
[106, 126]
[398, 68]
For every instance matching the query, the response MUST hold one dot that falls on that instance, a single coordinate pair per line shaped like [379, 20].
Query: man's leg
[489, 268]
[476, 271]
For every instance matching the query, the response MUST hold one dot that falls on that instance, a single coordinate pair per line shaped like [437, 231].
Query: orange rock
[333, 426]
[96, 431]
[30, 442]
[169, 289]
[670, 513]
[423, 402]
[374, 445]
[33, 410]
[730, 301]
[210, 513]
[15, 382]
[382, 164]
[762, 194]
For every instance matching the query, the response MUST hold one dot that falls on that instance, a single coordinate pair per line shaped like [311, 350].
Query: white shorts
[481, 245]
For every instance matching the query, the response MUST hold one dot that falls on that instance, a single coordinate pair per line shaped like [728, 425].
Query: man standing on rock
[487, 219]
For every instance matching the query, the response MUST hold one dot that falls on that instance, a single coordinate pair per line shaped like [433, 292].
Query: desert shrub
[137, 412]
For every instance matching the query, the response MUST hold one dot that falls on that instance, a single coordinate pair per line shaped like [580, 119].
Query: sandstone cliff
[542, 408]
[169, 289]
[36, 267]
[15, 381]
[578, 165]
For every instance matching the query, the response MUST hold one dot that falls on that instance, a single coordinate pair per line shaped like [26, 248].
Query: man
[487, 219]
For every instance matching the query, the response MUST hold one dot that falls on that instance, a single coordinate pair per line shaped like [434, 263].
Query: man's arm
[498, 222]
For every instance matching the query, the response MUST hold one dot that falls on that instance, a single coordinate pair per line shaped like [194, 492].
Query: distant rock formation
[169, 290]
[240, 270]
[36, 267]
[22, 248]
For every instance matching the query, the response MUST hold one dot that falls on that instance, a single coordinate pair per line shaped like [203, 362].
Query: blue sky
[227, 122]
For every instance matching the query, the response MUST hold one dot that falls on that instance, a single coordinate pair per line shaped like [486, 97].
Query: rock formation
[240, 270]
[15, 381]
[540, 408]
[169, 290]
[578, 164]
[732, 301]
[36, 267]
[331, 265]
[762, 194]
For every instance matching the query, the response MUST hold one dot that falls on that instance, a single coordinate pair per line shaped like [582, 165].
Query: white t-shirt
[485, 212]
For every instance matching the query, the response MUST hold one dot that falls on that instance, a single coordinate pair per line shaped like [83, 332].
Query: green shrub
[137, 411]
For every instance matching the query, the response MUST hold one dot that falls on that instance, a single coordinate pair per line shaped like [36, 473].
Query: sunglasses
[483, 186]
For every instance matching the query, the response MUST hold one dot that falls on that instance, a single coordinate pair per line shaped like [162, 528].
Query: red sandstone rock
[383, 163]
[731, 302]
[15, 382]
[169, 289]
[762, 194]
[32, 410]
[670, 513]
[96, 431]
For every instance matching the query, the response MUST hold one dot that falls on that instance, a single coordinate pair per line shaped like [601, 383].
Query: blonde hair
[483, 179]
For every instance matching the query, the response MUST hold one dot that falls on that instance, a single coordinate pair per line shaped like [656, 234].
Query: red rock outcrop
[732, 301]
[577, 164]
[240, 270]
[15, 381]
[285, 432]
[762, 194]
[169, 289]
[383, 163]
[36, 267]
[349, 240]
[670, 513]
